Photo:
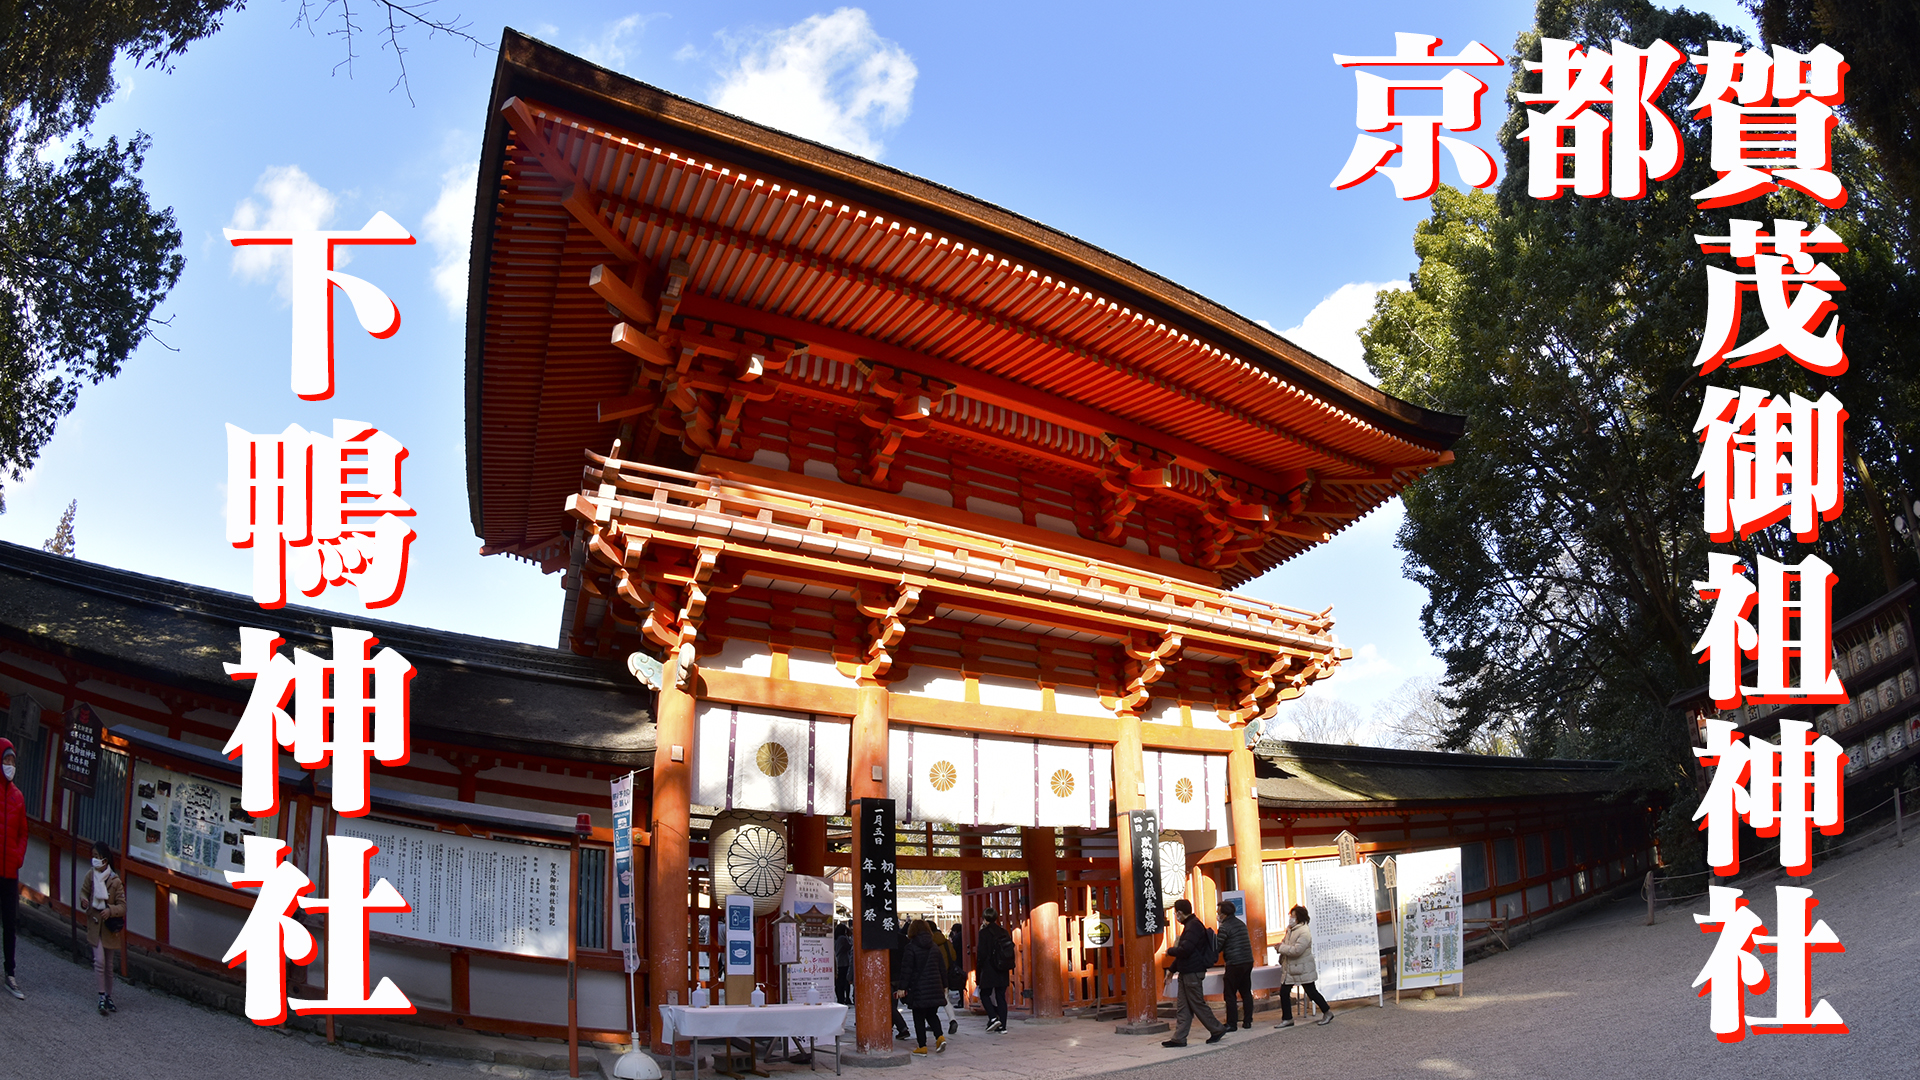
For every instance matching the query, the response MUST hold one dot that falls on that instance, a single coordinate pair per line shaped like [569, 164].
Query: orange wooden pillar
[1043, 924]
[872, 968]
[1143, 951]
[809, 833]
[1244, 807]
[667, 857]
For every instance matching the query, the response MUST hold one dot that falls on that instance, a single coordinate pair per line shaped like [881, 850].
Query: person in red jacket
[13, 852]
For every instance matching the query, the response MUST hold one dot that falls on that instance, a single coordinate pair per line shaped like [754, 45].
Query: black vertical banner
[878, 909]
[1143, 832]
[80, 750]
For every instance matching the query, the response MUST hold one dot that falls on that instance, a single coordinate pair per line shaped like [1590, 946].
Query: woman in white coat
[1296, 965]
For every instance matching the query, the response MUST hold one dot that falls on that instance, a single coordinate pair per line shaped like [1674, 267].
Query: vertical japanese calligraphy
[878, 906]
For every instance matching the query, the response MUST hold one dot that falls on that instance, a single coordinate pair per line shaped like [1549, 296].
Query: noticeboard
[1430, 919]
[188, 825]
[80, 750]
[505, 896]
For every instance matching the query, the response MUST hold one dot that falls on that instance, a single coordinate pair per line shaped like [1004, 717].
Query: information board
[189, 825]
[810, 901]
[1431, 920]
[1346, 931]
[496, 895]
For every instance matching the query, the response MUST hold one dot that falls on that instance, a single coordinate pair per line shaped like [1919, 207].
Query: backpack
[1006, 956]
[1211, 949]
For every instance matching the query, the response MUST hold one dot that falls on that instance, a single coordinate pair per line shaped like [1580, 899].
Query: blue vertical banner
[623, 870]
[1143, 832]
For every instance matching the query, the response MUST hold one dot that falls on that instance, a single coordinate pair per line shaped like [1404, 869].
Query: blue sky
[1199, 146]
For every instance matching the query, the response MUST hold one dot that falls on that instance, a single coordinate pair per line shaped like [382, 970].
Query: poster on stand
[1346, 932]
[1431, 920]
[809, 900]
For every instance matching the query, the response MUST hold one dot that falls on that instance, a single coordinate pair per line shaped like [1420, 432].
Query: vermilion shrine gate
[887, 472]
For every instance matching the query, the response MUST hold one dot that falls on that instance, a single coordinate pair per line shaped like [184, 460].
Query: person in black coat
[1191, 957]
[843, 963]
[897, 964]
[991, 971]
[924, 986]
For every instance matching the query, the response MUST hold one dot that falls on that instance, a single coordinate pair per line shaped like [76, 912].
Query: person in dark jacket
[13, 852]
[925, 985]
[1191, 957]
[957, 984]
[843, 963]
[897, 964]
[991, 972]
[1236, 951]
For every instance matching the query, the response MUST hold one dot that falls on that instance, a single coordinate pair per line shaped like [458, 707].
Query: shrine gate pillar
[867, 779]
[1043, 924]
[809, 843]
[1143, 951]
[668, 862]
[1244, 808]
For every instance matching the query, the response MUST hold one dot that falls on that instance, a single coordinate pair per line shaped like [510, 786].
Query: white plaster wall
[515, 990]
[424, 975]
[203, 927]
[1075, 701]
[945, 684]
[809, 666]
[1010, 693]
[743, 657]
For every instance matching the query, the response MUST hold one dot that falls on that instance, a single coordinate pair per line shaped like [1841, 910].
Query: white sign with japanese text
[496, 895]
[1346, 931]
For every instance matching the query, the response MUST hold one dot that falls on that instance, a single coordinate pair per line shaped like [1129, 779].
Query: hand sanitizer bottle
[759, 996]
[698, 999]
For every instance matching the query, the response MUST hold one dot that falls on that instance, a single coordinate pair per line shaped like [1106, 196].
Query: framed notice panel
[497, 895]
[1430, 919]
[1346, 932]
[189, 825]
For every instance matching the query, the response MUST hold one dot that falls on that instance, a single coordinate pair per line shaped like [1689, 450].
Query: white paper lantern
[747, 851]
[1173, 867]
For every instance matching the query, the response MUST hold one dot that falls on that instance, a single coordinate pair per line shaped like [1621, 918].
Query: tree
[85, 258]
[1881, 41]
[1560, 550]
[1319, 719]
[1416, 716]
[61, 542]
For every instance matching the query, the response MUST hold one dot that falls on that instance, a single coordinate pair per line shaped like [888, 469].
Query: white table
[809, 1022]
[1266, 977]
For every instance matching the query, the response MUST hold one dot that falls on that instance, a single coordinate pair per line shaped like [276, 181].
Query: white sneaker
[14, 989]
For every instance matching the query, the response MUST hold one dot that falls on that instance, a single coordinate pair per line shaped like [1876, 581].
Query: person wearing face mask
[1296, 964]
[106, 919]
[13, 852]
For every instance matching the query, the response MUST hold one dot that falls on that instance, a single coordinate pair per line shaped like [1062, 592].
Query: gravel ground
[1608, 996]
[1602, 996]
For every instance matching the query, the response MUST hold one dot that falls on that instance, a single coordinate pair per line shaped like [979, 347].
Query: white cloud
[1331, 330]
[828, 78]
[611, 48]
[449, 229]
[293, 202]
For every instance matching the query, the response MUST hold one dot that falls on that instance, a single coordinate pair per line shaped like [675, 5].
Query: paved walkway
[1603, 995]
